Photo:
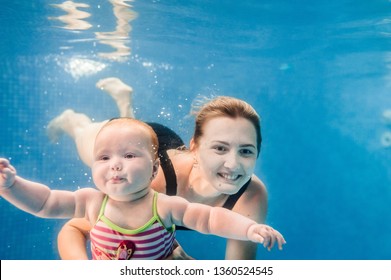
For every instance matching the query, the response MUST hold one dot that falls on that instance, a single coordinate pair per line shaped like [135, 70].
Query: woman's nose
[231, 161]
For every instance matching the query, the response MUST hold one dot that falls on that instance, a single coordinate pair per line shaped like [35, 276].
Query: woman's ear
[192, 144]
[193, 149]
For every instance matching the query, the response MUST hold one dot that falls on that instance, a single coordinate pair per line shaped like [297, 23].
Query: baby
[130, 220]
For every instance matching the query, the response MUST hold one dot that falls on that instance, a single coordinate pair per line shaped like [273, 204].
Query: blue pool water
[318, 73]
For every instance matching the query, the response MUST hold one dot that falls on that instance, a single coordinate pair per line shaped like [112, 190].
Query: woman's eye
[220, 148]
[247, 152]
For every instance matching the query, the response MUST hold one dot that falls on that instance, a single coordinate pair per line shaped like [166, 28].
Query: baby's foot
[120, 92]
[68, 121]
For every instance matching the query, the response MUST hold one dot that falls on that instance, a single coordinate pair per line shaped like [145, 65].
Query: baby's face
[123, 162]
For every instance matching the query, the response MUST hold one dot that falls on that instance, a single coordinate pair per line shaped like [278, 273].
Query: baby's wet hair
[147, 127]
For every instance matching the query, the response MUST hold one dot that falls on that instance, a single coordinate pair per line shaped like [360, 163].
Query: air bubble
[386, 139]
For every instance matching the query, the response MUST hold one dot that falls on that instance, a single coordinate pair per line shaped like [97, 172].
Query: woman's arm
[72, 239]
[252, 204]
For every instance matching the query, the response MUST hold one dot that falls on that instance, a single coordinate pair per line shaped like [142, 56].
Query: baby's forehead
[117, 134]
[129, 133]
[125, 125]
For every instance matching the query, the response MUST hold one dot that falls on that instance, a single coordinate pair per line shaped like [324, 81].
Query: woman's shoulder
[253, 202]
[177, 155]
[255, 194]
[182, 162]
[256, 187]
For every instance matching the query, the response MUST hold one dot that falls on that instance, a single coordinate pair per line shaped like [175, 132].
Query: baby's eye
[129, 156]
[104, 158]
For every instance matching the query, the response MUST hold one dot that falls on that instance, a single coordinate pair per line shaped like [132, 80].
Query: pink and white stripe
[155, 242]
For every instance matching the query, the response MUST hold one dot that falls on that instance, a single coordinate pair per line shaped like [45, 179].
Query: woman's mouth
[230, 177]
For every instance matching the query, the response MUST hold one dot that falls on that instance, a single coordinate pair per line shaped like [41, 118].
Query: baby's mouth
[116, 179]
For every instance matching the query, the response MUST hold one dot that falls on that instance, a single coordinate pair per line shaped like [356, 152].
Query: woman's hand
[178, 253]
[72, 239]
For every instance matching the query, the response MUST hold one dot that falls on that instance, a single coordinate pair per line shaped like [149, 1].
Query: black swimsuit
[168, 139]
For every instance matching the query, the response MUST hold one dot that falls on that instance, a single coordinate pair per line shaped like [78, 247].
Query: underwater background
[317, 72]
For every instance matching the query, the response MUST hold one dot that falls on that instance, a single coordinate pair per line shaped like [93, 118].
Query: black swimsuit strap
[232, 199]
[169, 173]
[229, 203]
[168, 139]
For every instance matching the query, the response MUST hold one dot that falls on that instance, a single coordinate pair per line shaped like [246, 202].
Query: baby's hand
[266, 235]
[7, 174]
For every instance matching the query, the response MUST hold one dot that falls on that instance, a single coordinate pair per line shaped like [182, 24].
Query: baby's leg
[80, 128]
[120, 92]
[68, 122]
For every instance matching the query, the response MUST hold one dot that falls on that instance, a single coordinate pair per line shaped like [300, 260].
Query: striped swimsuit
[149, 242]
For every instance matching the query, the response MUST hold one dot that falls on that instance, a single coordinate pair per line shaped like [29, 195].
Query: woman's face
[227, 152]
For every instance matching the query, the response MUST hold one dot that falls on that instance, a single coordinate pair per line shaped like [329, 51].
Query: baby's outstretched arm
[26, 195]
[34, 198]
[221, 222]
[232, 225]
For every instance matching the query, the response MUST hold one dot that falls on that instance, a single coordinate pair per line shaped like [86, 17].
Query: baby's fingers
[272, 237]
[279, 238]
[3, 163]
[7, 174]
[271, 240]
[259, 238]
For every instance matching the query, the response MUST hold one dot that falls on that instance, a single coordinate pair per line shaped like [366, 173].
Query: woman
[217, 169]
